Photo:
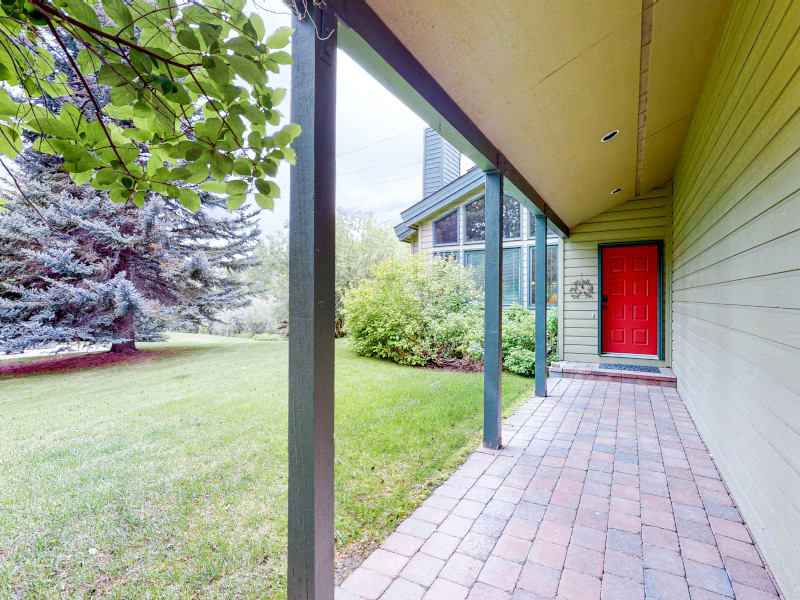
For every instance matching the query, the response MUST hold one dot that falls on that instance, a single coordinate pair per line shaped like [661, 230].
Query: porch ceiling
[545, 81]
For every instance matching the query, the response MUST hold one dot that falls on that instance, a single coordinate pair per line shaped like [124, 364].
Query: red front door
[630, 300]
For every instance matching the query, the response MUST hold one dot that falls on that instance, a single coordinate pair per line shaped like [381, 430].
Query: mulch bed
[457, 365]
[73, 362]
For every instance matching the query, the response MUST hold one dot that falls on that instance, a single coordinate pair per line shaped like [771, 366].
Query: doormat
[641, 369]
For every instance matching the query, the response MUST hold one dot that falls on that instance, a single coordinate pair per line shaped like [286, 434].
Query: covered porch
[603, 491]
[664, 124]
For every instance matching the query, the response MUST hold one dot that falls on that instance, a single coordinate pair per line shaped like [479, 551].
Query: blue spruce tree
[76, 267]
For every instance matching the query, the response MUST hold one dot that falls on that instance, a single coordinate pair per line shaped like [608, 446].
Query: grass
[167, 478]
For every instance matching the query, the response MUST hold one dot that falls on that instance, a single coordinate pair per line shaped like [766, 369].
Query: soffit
[545, 81]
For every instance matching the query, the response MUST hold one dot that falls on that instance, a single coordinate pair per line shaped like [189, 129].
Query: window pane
[447, 255]
[445, 230]
[511, 274]
[532, 228]
[476, 220]
[512, 218]
[511, 271]
[552, 276]
[477, 260]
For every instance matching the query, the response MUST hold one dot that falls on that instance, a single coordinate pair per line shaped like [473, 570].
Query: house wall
[441, 163]
[644, 218]
[736, 274]
[425, 239]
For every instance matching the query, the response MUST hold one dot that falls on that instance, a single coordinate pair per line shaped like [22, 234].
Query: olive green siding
[645, 218]
[736, 273]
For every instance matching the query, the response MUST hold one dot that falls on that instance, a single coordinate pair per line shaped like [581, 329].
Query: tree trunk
[124, 329]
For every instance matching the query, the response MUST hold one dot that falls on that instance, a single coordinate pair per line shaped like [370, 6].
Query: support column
[493, 303]
[541, 304]
[311, 308]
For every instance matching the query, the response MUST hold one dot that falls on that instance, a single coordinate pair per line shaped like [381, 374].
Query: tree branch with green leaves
[142, 98]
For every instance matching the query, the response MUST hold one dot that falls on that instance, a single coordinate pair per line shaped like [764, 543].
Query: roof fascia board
[442, 197]
[452, 193]
[403, 233]
[367, 39]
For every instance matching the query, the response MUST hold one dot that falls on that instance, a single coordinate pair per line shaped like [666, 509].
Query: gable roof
[454, 190]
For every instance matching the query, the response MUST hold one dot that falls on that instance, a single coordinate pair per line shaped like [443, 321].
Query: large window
[512, 276]
[512, 272]
[512, 219]
[475, 220]
[445, 229]
[447, 255]
[532, 228]
[551, 281]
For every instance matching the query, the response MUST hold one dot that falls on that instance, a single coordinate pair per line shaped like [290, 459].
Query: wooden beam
[540, 300]
[493, 313]
[311, 308]
[366, 24]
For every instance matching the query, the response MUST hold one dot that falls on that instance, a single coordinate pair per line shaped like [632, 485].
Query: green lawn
[167, 478]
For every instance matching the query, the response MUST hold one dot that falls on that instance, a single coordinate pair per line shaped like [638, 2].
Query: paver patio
[603, 490]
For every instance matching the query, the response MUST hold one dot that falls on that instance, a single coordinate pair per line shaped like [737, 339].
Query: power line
[377, 183]
[394, 137]
[416, 162]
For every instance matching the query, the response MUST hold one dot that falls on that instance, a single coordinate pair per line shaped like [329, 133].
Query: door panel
[630, 300]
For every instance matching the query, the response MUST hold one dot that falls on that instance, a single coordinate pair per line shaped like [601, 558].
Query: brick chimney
[441, 165]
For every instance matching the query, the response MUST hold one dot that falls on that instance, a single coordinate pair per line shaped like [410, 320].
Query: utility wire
[416, 162]
[394, 137]
[377, 183]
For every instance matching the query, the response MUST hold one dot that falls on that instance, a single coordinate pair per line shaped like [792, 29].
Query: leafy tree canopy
[189, 100]
[361, 242]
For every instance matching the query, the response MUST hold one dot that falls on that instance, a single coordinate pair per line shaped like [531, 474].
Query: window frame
[519, 206]
[445, 253]
[467, 241]
[521, 281]
[458, 229]
[531, 265]
[550, 234]
[521, 274]
[483, 241]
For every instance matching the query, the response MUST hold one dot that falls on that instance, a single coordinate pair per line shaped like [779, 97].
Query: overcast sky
[379, 141]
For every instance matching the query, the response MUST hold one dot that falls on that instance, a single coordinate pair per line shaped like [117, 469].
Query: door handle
[604, 307]
[604, 298]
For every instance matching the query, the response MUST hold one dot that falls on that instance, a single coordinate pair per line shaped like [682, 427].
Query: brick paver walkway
[603, 490]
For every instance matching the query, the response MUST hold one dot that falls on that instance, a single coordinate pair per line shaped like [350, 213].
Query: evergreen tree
[75, 266]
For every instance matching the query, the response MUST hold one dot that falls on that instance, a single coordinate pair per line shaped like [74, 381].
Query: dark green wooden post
[493, 303]
[541, 304]
[311, 308]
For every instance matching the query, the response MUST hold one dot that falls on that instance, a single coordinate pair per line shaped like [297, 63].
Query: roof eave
[366, 38]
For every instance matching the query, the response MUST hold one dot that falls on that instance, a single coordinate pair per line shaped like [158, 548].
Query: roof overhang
[364, 37]
[531, 88]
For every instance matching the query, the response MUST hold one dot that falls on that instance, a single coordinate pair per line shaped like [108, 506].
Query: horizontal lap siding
[736, 274]
[641, 219]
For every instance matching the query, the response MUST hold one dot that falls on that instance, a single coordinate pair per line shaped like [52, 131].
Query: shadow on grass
[74, 362]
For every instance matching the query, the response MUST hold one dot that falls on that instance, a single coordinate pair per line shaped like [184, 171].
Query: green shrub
[520, 361]
[552, 335]
[417, 312]
[519, 329]
[412, 311]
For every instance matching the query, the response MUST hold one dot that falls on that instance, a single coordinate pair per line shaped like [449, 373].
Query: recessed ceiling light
[610, 135]
[616, 191]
